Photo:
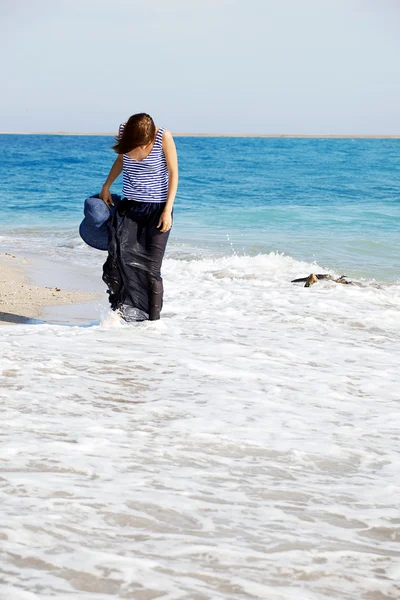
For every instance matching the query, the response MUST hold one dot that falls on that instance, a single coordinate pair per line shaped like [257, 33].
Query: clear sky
[226, 66]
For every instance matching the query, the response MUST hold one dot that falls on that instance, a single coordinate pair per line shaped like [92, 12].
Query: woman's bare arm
[171, 157]
[115, 172]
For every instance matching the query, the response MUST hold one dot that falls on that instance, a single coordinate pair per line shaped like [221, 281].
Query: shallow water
[245, 446]
[252, 455]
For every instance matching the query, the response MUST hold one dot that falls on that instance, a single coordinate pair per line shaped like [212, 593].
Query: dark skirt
[132, 270]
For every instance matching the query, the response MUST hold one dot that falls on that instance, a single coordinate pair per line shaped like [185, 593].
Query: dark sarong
[132, 270]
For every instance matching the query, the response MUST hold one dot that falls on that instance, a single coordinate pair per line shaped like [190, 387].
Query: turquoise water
[333, 201]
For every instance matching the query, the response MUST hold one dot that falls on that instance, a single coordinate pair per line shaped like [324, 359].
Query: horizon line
[244, 135]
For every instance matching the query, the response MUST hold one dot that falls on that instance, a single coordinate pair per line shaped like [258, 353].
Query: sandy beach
[20, 300]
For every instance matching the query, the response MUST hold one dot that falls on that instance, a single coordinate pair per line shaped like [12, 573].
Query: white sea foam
[245, 446]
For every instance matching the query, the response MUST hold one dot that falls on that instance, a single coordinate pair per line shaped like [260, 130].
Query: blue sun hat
[93, 229]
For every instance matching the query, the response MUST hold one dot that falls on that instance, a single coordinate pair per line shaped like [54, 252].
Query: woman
[142, 221]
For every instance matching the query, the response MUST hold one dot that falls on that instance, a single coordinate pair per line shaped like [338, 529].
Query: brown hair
[139, 130]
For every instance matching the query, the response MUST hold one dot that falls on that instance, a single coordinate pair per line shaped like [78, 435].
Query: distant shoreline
[227, 135]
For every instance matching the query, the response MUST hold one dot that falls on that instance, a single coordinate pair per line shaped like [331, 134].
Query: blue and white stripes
[146, 180]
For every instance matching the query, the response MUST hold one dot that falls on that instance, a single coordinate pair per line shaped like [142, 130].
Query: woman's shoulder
[162, 134]
[163, 130]
[167, 139]
[165, 133]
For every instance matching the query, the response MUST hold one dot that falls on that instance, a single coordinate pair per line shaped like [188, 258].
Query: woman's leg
[156, 243]
[133, 271]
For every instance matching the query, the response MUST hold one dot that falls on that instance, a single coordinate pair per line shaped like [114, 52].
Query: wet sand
[21, 301]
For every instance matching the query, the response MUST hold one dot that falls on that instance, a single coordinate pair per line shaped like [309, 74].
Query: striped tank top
[146, 180]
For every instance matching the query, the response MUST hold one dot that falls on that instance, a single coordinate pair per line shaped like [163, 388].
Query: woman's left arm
[169, 148]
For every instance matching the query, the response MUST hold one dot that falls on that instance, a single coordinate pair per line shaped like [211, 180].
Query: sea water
[247, 445]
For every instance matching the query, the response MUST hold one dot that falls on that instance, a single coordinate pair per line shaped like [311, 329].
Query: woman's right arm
[115, 172]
